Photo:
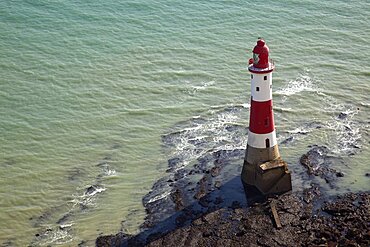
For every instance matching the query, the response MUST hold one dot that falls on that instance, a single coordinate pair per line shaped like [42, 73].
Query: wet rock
[83, 243]
[314, 158]
[215, 171]
[202, 188]
[222, 155]
[173, 162]
[218, 184]
[287, 140]
[64, 218]
[178, 199]
[119, 239]
[7, 243]
[339, 174]
[319, 163]
[233, 128]
[342, 115]
[90, 190]
[39, 220]
[310, 194]
[75, 174]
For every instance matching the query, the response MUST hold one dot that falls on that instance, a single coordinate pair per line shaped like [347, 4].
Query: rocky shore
[205, 205]
[343, 222]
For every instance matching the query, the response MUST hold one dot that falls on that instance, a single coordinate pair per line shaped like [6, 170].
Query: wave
[300, 84]
[346, 130]
[300, 132]
[223, 130]
[204, 85]
[62, 231]
[193, 89]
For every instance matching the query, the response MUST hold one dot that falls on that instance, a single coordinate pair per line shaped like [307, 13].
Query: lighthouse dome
[261, 55]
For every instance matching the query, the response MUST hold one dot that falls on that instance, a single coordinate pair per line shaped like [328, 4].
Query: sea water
[88, 88]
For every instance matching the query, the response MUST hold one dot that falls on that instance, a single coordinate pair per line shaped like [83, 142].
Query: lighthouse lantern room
[263, 166]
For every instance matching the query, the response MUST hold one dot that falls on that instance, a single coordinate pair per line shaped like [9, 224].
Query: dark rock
[173, 162]
[218, 184]
[83, 243]
[319, 163]
[120, 239]
[287, 140]
[218, 200]
[177, 199]
[202, 188]
[235, 205]
[339, 174]
[64, 218]
[215, 171]
[310, 194]
[91, 189]
[343, 115]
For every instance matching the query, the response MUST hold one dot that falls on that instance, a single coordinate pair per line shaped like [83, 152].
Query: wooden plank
[275, 214]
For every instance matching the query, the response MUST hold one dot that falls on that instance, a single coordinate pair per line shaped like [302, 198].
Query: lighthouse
[263, 167]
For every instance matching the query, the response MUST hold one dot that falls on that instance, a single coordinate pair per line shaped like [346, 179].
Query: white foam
[160, 196]
[347, 131]
[246, 105]
[110, 172]
[59, 236]
[66, 225]
[107, 171]
[88, 197]
[213, 135]
[300, 84]
[96, 191]
[204, 85]
[299, 130]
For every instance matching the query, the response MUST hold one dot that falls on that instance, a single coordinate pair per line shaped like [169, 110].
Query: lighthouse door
[267, 143]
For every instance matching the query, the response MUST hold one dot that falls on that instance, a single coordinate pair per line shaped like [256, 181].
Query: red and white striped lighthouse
[263, 166]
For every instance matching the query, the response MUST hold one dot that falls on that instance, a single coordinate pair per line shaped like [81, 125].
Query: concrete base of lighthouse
[264, 169]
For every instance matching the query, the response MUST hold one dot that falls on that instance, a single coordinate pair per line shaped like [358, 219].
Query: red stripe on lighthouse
[261, 117]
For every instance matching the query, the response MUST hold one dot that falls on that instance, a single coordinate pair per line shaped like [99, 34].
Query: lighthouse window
[267, 141]
[257, 89]
[265, 77]
[251, 76]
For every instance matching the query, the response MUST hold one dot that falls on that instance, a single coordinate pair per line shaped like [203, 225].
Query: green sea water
[87, 89]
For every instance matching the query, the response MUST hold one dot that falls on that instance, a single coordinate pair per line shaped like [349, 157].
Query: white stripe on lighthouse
[260, 88]
[260, 140]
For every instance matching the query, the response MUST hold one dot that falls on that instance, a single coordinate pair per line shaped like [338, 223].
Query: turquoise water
[87, 89]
